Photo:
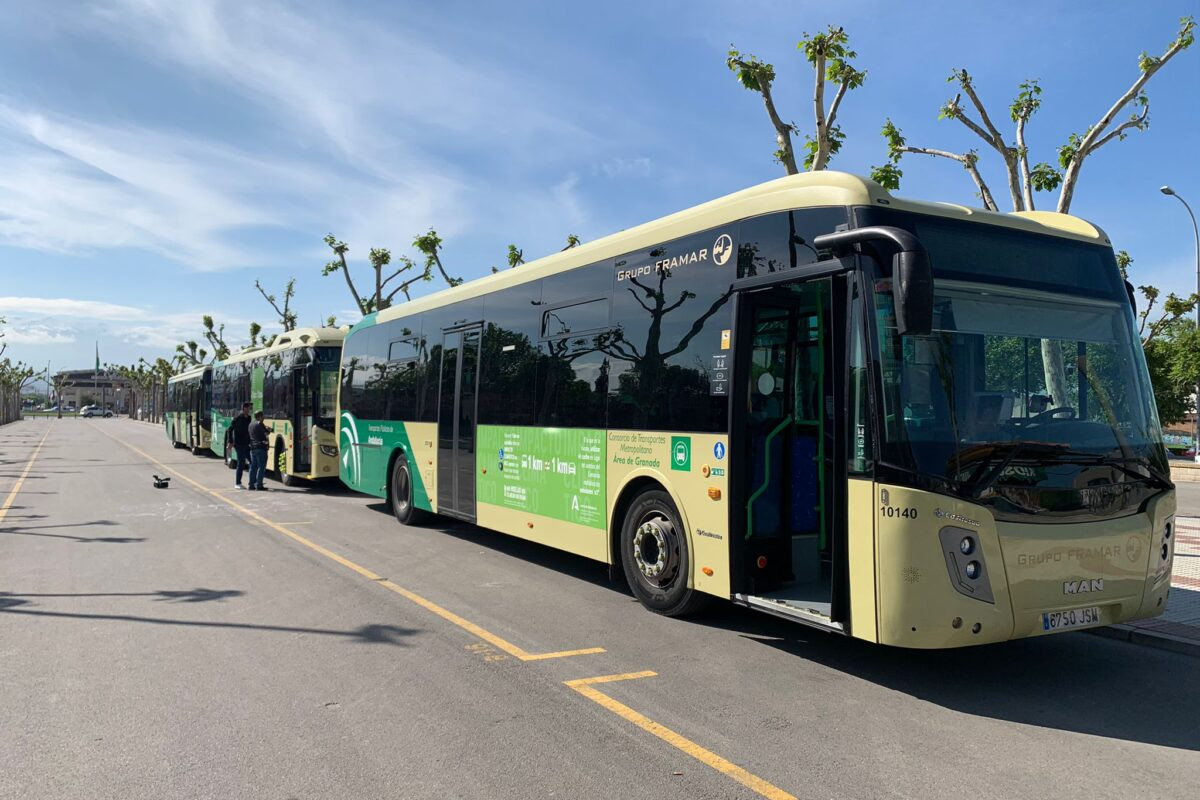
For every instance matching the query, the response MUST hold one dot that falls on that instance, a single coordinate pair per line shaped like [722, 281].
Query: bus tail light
[707, 571]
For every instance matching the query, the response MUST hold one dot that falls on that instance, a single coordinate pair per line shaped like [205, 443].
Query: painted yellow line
[12, 495]
[705, 756]
[482, 633]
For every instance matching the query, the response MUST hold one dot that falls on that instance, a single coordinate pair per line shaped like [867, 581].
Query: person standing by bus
[239, 434]
[258, 451]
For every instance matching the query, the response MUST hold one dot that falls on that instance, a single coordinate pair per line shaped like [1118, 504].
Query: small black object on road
[161, 483]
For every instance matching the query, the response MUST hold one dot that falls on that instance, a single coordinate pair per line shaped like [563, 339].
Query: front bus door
[787, 335]
[301, 417]
[456, 422]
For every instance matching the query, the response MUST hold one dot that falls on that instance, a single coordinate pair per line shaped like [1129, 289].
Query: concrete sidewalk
[1178, 628]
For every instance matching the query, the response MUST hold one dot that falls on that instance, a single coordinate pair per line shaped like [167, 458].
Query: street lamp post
[1167, 190]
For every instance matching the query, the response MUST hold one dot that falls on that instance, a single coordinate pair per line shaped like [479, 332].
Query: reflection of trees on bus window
[783, 240]
[667, 325]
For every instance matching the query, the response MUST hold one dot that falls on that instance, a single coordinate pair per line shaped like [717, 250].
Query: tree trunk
[1055, 371]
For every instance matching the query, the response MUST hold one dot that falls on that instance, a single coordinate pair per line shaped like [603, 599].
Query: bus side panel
[864, 619]
[543, 484]
[692, 468]
[419, 440]
[917, 601]
[364, 452]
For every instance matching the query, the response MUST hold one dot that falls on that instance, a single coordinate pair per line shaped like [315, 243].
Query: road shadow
[1076, 682]
[33, 530]
[198, 595]
[549, 558]
[365, 634]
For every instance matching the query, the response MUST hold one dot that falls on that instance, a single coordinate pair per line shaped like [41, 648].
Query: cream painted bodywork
[1027, 564]
[290, 340]
[806, 190]
[422, 437]
[705, 519]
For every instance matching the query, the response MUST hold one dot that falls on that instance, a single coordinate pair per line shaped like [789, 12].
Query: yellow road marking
[429, 605]
[12, 495]
[705, 756]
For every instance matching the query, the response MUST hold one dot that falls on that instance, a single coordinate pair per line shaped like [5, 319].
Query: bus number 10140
[893, 511]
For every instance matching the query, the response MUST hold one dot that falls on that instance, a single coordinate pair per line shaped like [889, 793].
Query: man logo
[1081, 587]
[722, 249]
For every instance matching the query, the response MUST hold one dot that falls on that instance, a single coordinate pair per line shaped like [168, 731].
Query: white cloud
[623, 167]
[67, 307]
[65, 320]
[38, 334]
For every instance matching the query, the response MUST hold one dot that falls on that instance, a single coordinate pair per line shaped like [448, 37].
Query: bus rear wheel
[655, 557]
[400, 494]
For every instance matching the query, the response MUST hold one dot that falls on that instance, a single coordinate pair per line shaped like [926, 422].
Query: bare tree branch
[1115, 133]
[1148, 66]
[968, 162]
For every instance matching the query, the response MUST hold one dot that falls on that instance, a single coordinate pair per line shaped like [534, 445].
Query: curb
[1147, 638]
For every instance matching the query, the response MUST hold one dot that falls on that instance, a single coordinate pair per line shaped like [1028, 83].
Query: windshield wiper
[976, 488]
[1058, 453]
[1123, 464]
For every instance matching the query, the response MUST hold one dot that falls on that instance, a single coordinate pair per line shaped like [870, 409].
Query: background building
[80, 387]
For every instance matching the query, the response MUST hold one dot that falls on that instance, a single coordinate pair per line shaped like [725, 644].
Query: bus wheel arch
[651, 546]
[399, 475]
[281, 470]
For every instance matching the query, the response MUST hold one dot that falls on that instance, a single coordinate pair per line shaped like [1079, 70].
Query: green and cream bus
[187, 420]
[293, 381]
[917, 424]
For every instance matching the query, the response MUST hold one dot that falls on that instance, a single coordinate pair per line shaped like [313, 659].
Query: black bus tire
[400, 494]
[655, 557]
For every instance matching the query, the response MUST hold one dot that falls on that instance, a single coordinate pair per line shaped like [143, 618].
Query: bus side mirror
[312, 371]
[912, 281]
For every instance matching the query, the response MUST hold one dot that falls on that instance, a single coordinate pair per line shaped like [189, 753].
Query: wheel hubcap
[402, 489]
[654, 550]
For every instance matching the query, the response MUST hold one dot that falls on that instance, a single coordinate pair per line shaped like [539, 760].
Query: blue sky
[158, 157]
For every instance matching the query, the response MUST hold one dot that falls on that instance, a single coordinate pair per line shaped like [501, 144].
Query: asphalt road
[1187, 498]
[197, 642]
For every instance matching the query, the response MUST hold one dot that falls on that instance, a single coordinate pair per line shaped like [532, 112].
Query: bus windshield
[328, 359]
[1037, 401]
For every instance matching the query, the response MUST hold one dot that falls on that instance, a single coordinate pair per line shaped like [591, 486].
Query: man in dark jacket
[258, 451]
[239, 435]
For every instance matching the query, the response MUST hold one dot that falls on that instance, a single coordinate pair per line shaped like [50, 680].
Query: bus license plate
[1075, 618]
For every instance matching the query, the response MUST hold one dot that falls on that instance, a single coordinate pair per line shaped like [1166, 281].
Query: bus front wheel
[281, 470]
[400, 492]
[654, 555]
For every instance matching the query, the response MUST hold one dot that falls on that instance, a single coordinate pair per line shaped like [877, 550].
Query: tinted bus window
[509, 356]
[781, 241]
[672, 317]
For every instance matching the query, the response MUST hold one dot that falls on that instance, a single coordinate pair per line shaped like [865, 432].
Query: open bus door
[787, 526]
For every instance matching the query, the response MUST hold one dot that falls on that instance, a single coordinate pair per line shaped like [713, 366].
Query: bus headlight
[329, 451]
[965, 562]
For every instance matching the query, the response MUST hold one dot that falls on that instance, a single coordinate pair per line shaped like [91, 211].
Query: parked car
[95, 411]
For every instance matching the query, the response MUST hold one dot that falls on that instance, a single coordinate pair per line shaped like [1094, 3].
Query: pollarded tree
[830, 56]
[287, 317]
[1021, 179]
[380, 258]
